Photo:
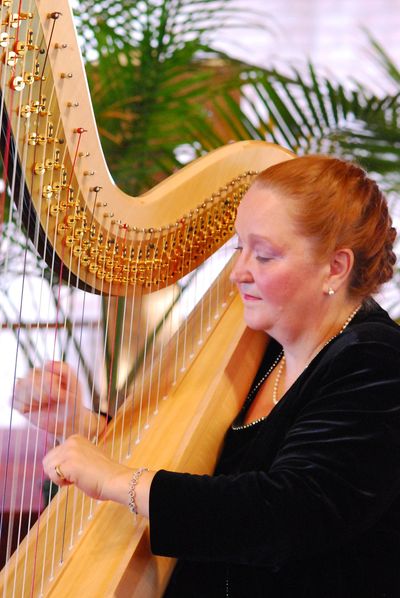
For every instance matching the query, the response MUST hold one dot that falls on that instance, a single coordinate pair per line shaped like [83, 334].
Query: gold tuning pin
[57, 164]
[29, 41]
[20, 48]
[13, 19]
[10, 58]
[25, 111]
[29, 78]
[4, 39]
[42, 110]
[47, 192]
[39, 168]
[17, 83]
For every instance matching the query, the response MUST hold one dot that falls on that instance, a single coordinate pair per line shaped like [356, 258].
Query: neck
[302, 350]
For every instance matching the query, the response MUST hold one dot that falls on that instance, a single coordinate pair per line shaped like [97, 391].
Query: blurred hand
[85, 465]
[51, 399]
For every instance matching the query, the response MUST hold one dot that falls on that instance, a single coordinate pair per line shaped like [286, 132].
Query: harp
[101, 241]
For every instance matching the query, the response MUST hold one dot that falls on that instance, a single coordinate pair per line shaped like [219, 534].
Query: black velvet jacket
[306, 503]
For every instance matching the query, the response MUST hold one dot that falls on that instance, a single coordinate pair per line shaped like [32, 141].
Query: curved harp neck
[109, 241]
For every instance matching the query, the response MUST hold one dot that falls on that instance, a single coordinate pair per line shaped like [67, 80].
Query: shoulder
[373, 320]
[363, 362]
[372, 334]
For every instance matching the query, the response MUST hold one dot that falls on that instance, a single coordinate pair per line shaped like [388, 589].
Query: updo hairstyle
[337, 205]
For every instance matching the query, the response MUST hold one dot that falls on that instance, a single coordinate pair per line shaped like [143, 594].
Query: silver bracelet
[132, 489]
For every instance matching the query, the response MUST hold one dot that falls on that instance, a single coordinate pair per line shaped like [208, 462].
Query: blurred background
[329, 33]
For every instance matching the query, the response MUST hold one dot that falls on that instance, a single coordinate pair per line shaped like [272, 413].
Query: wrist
[119, 488]
[135, 478]
[142, 491]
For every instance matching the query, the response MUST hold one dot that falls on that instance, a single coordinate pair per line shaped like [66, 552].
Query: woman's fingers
[54, 384]
[79, 462]
[52, 400]
[57, 475]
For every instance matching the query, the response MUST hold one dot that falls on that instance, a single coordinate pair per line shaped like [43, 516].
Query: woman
[305, 500]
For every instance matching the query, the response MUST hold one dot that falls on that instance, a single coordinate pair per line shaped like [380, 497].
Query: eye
[263, 259]
[238, 248]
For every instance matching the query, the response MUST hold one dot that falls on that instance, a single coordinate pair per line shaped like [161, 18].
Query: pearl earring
[331, 291]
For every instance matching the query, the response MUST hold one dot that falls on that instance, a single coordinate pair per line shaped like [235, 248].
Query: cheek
[278, 286]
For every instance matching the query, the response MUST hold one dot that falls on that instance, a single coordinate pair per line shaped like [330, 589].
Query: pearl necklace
[275, 399]
[253, 392]
[282, 359]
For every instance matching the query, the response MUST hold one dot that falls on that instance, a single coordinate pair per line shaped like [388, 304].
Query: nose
[240, 271]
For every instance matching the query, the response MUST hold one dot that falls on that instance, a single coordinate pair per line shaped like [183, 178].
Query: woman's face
[279, 279]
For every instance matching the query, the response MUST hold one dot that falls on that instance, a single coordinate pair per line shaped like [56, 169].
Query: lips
[248, 297]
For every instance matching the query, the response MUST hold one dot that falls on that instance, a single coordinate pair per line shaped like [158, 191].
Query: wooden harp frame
[62, 180]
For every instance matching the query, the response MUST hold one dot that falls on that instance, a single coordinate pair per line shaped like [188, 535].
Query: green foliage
[151, 70]
[158, 84]
[312, 114]
[384, 60]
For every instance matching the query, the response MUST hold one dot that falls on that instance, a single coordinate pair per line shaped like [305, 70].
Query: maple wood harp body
[102, 240]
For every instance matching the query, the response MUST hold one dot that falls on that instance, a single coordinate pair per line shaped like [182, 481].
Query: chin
[257, 316]
[257, 324]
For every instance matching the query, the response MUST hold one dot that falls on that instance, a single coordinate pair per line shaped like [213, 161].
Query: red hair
[336, 204]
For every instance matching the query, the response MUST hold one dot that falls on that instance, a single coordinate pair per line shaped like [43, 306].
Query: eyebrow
[255, 237]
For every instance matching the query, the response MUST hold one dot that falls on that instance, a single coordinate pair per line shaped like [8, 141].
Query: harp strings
[156, 351]
[49, 433]
[6, 135]
[17, 446]
[44, 313]
[40, 310]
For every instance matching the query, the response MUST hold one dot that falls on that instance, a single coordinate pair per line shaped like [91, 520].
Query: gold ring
[59, 472]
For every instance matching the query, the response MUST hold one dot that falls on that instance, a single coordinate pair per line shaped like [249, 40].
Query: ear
[340, 267]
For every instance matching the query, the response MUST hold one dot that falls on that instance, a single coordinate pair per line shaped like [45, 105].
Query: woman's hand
[51, 398]
[77, 461]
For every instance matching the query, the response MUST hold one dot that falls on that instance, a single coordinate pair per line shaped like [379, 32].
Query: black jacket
[305, 504]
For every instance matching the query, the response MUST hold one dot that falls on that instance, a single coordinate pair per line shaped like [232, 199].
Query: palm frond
[382, 57]
[309, 113]
[158, 57]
